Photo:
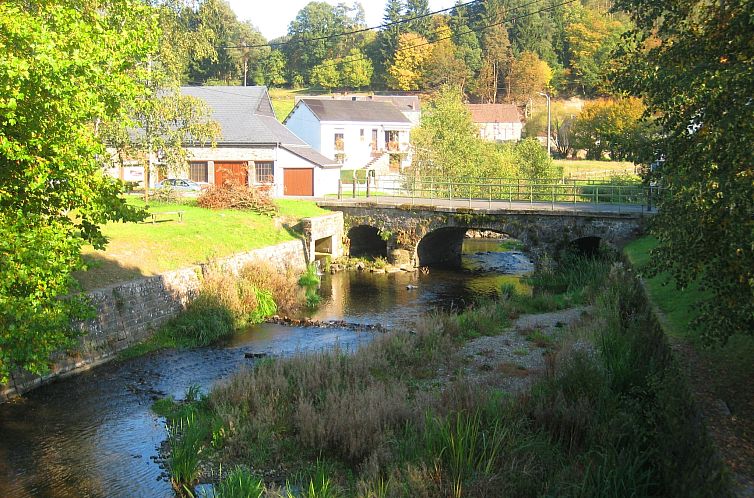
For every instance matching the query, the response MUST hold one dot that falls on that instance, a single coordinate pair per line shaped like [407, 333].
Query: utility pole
[549, 120]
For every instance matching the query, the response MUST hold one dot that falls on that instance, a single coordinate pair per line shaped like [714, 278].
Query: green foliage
[326, 75]
[204, 321]
[356, 69]
[240, 483]
[309, 278]
[185, 437]
[65, 66]
[691, 66]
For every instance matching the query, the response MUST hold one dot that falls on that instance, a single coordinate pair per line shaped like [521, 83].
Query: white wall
[305, 125]
[500, 131]
[359, 153]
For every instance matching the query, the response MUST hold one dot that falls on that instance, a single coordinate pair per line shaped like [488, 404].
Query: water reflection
[94, 434]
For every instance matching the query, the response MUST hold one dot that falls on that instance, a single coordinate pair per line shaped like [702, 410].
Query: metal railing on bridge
[492, 191]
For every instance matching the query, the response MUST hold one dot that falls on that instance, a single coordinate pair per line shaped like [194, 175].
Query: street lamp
[549, 119]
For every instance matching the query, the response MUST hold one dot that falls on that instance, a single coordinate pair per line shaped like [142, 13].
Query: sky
[273, 18]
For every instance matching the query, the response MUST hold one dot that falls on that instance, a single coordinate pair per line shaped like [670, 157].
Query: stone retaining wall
[129, 313]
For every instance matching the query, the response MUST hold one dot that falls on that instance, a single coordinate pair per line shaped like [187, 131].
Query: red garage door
[235, 172]
[298, 181]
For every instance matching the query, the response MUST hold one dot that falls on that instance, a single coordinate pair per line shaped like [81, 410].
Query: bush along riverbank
[227, 302]
[440, 410]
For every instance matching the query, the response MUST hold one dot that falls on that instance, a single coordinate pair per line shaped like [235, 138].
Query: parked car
[181, 185]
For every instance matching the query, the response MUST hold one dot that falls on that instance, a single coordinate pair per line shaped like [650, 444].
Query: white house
[255, 148]
[497, 122]
[356, 133]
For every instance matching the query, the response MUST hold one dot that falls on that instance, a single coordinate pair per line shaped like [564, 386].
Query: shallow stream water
[94, 435]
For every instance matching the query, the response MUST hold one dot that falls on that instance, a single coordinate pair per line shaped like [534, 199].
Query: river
[94, 435]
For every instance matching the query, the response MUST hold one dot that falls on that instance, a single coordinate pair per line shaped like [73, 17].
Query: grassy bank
[142, 249]
[720, 374]
[608, 416]
[227, 302]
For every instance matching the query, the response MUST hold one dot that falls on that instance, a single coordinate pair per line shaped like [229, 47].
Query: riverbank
[720, 376]
[424, 413]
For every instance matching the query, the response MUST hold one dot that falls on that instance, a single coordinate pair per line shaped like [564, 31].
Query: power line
[348, 33]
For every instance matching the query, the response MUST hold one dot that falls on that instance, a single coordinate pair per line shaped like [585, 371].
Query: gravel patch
[512, 360]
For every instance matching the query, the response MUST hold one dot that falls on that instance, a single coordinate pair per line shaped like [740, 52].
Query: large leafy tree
[356, 69]
[160, 119]
[609, 125]
[692, 62]
[66, 66]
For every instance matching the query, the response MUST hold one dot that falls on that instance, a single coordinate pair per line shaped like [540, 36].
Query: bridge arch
[588, 245]
[366, 242]
[444, 246]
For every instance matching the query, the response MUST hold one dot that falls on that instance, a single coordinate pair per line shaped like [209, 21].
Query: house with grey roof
[254, 148]
[497, 122]
[355, 133]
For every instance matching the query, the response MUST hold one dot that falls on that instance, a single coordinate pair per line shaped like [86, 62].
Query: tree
[591, 38]
[387, 39]
[608, 125]
[561, 129]
[274, 68]
[356, 69]
[326, 75]
[160, 119]
[690, 62]
[467, 44]
[529, 76]
[443, 66]
[312, 33]
[422, 26]
[497, 57]
[408, 67]
[447, 143]
[79, 63]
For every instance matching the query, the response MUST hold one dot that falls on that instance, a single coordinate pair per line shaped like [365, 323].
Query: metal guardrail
[494, 190]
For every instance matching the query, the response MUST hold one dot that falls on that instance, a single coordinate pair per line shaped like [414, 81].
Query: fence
[518, 190]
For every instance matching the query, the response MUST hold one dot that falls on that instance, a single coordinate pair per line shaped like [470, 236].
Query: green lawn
[595, 169]
[283, 99]
[142, 249]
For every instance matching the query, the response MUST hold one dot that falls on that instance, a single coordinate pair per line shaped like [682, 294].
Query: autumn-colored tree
[409, 62]
[591, 38]
[529, 76]
[443, 66]
[608, 125]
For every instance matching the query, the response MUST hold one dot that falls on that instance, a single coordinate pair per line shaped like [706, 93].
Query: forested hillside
[495, 50]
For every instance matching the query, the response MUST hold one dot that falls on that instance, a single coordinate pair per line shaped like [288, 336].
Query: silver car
[180, 184]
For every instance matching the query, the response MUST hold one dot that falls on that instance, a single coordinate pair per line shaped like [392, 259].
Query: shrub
[204, 321]
[231, 195]
[281, 285]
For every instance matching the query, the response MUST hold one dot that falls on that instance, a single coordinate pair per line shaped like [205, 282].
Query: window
[361, 135]
[198, 172]
[265, 171]
[339, 145]
[391, 140]
[374, 140]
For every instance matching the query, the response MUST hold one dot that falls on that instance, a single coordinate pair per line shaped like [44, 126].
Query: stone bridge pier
[433, 235]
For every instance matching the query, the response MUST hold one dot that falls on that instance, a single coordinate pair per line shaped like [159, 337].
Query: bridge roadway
[578, 208]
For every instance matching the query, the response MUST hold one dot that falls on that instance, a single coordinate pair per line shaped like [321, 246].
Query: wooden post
[340, 189]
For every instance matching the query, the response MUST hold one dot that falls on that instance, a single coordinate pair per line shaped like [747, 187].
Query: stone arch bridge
[433, 235]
